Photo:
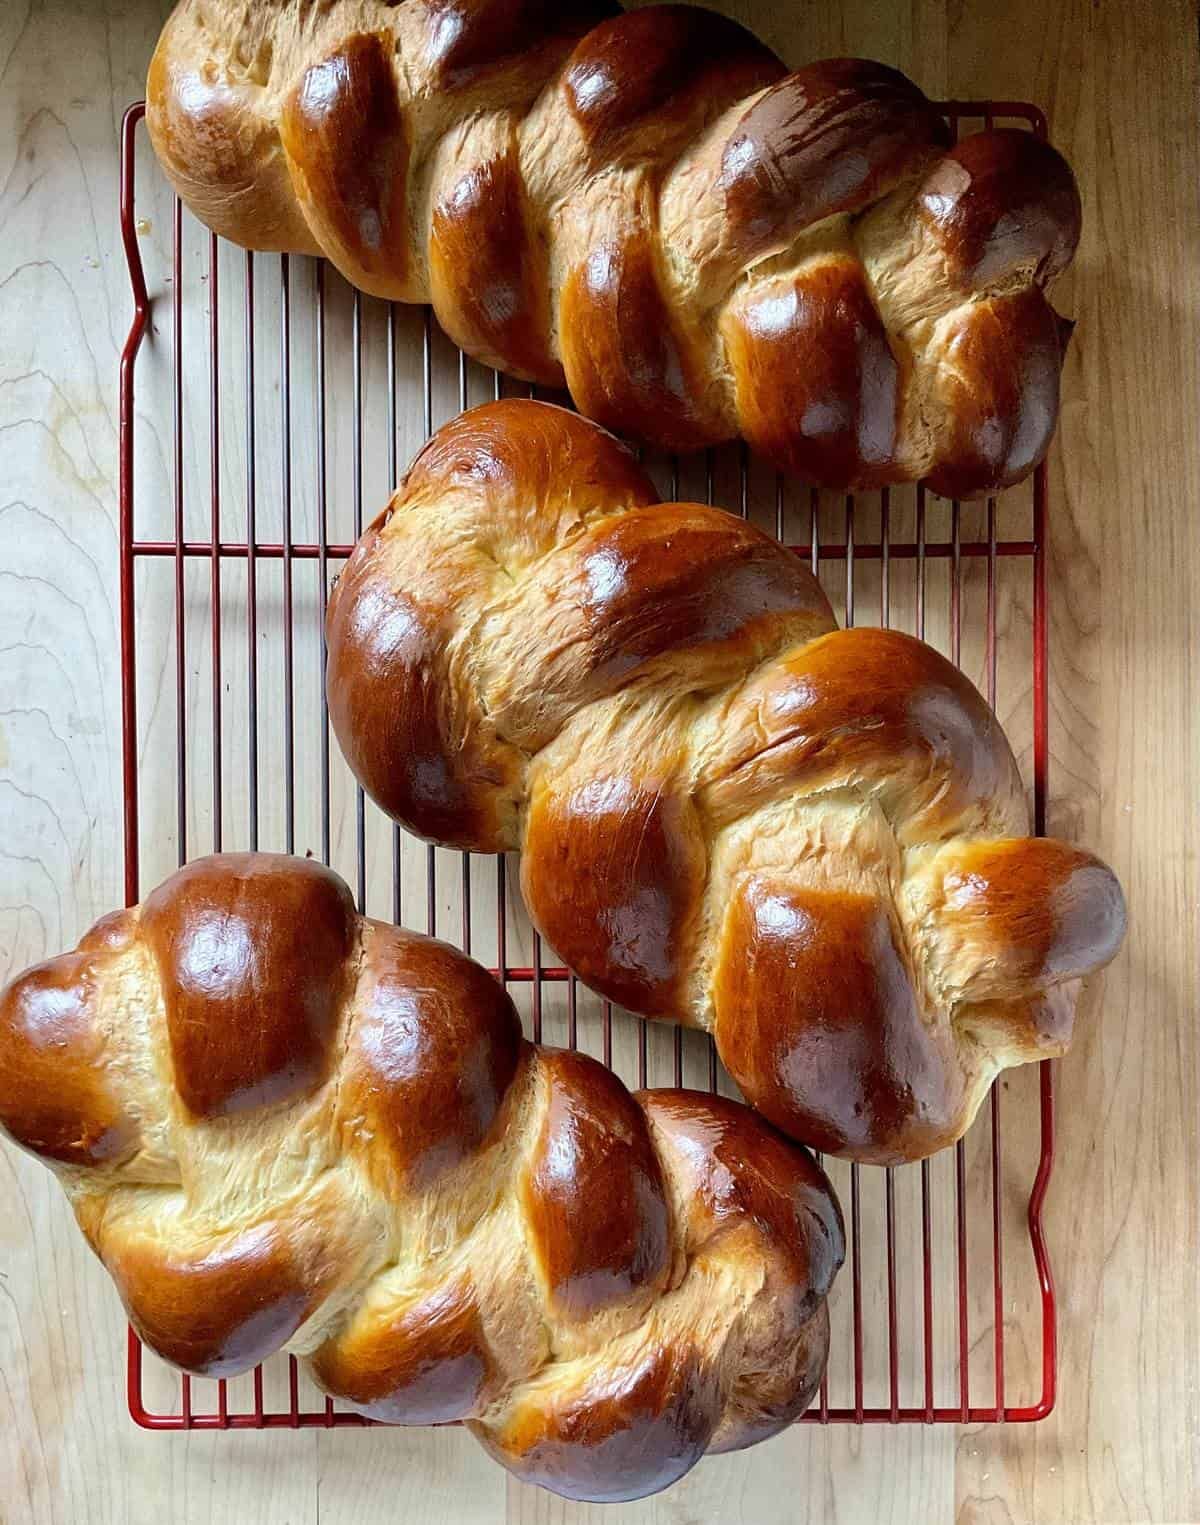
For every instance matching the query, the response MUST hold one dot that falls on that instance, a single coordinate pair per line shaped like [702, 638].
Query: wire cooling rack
[264, 406]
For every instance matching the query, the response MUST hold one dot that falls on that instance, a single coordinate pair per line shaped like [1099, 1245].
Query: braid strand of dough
[283, 1126]
[648, 209]
[811, 842]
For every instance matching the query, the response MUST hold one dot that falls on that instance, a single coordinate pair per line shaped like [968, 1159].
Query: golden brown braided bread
[649, 210]
[282, 1126]
[809, 841]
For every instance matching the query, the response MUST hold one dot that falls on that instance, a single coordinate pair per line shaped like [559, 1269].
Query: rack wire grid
[253, 465]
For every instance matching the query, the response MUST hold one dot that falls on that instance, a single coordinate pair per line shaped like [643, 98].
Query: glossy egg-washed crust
[811, 842]
[648, 209]
[283, 1126]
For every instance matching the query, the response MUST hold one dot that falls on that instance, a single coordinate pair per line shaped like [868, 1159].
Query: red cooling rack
[947, 1301]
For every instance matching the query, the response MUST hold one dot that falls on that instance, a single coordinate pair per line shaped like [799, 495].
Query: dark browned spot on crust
[55, 1100]
[592, 1193]
[345, 135]
[470, 38]
[999, 202]
[423, 1361]
[613, 874]
[818, 385]
[832, 137]
[997, 384]
[634, 66]
[629, 362]
[488, 272]
[216, 1314]
[628, 1430]
[433, 1052]
[818, 1022]
[252, 950]
[386, 687]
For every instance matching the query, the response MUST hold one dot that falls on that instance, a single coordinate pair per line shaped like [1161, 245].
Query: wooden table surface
[1120, 83]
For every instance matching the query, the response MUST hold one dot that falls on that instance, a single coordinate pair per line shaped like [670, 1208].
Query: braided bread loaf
[282, 1125]
[649, 210]
[809, 841]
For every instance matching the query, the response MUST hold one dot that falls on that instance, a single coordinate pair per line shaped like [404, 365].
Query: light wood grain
[1120, 83]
